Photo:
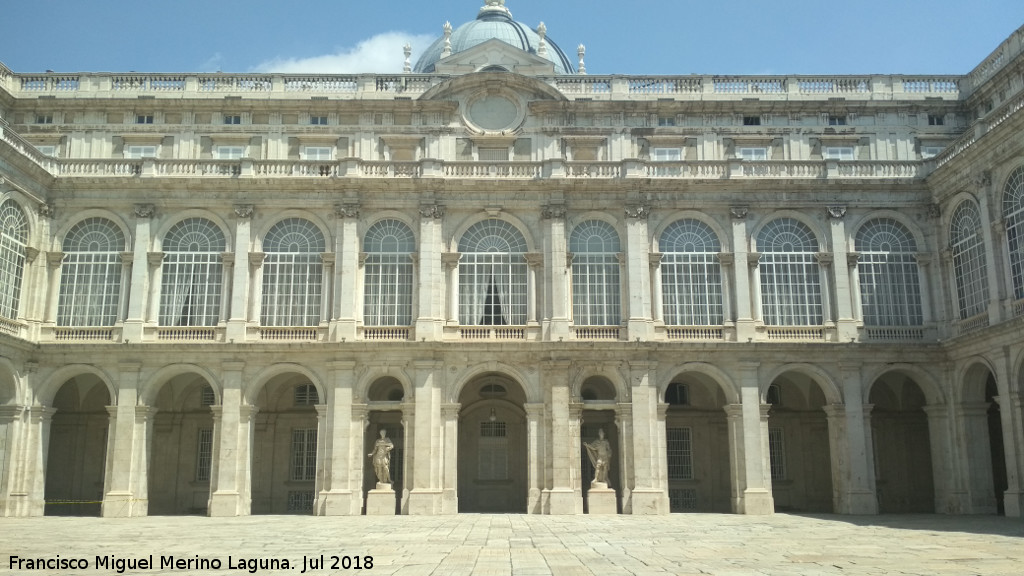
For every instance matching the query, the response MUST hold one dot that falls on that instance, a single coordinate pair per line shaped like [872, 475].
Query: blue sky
[622, 37]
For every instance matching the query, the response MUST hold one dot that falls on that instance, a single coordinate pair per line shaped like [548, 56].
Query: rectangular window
[666, 154]
[229, 152]
[666, 120]
[930, 151]
[492, 452]
[144, 119]
[936, 120]
[44, 118]
[836, 120]
[777, 453]
[751, 120]
[680, 454]
[204, 454]
[304, 454]
[232, 119]
[318, 120]
[752, 154]
[140, 152]
[322, 153]
[838, 153]
[493, 154]
[47, 150]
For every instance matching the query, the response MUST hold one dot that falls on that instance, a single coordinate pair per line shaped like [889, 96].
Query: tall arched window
[13, 236]
[192, 274]
[492, 275]
[691, 274]
[388, 274]
[790, 274]
[969, 266]
[596, 291]
[90, 276]
[293, 274]
[1013, 214]
[890, 289]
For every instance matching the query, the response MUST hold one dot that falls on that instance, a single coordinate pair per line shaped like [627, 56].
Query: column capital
[243, 210]
[836, 212]
[552, 212]
[347, 210]
[46, 210]
[227, 258]
[753, 258]
[726, 258]
[534, 259]
[53, 259]
[450, 411]
[534, 409]
[739, 212]
[450, 259]
[155, 258]
[834, 411]
[144, 211]
[638, 211]
[824, 258]
[256, 259]
[432, 211]
[655, 258]
[127, 258]
[733, 411]
[852, 259]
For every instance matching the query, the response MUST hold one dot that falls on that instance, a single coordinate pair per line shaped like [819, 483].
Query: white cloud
[381, 53]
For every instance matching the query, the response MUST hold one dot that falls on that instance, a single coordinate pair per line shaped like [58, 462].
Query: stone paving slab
[500, 545]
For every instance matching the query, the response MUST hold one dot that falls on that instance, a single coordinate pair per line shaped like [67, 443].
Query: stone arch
[612, 377]
[820, 376]
[57, 239]
[980, 435]
[714, 374]
[45, 394]
[31, 215]
[972, 379]
[259, 382]
[10, 384]
[171, 220]
[724, 237]
[925, 380]
[367, 380]
[906, 221]
[151, 388]
[473, 219]
[606, 217]
[265, 225]
[815, 226]
[528, 385]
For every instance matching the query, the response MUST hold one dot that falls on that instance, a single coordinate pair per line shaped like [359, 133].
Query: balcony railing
[597, 332]
[291, 334]
[12, 327]
[796, 333]
[492, 333]
[83, 334]
[187, 334]
[894, 333]
[386, 333]
[695, 333]
[1018, 308]
[972, 324]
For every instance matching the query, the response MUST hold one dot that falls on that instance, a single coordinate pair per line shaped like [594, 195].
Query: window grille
[232, 119]
[691, 275]
[677, 394]
[192, 275]
[837, 120]
[890, 289]
[306, 395]
[90, 286]
[388, 274]
[596, 289]
[318, 120]
[230, 152]
[666, 154]
[1013, 214]
[493, 154]
[777, 453]
[969, 265]
[208, 398]
[680, 454]
[752, 154]
[492, 275]
[790, 274]
[13, 237]
[321, 153]
[292, 274]
[839, 153]
[304, 454]
[493, 451]
[140, 152]
[204, 454]
[300, 501]
[751, 120]
[144, 119]
[682, 499]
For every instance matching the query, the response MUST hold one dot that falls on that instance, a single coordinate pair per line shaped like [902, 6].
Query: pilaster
[556, 273]
[757, 492]
[561, 492]
[430, 274]
[347, 306]
[639, 323]
[426, 494]
[233, 422]
[648, 495]
[340, 494]
[138, 286]
[238, 305]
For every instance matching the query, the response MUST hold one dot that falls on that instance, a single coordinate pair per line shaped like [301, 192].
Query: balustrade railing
[496, 333]
[972, 324]
[894, 333]
[597, 332]
[291, 333]
[83, 334]
[805, 333]
[186, 334]
[1018, 308]
[12, 327]
[695, 332]
[594, 169]
[379, 333]
[492, 170]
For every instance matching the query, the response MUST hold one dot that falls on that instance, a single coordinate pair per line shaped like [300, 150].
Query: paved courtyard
[521, 545]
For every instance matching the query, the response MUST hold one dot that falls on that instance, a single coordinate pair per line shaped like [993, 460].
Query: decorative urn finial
[447, 50]
[542, 46]
[407, 49]
[581, 51]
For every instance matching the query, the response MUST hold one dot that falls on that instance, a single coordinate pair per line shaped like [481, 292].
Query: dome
[494, 22]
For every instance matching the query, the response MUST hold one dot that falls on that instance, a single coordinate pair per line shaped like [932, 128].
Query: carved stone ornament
[435, 211]
[243, 210]
[934, 211]
[553, 211]
[824, 258]
[46, 210]
[852, 259]
[738, 212]
[836, 212]
[640, 212]
[144, 210]
[982, 179]
[346, 211]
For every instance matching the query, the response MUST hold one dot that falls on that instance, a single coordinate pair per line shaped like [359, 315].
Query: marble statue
[382, 457]
[600, 453]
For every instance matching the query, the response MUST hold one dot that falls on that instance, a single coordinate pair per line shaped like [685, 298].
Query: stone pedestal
[381, 501]
[601, 499]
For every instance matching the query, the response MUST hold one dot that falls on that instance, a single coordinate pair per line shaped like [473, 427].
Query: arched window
[691, 275]
[790, 274]
[596, 293]
[969, 266]
[1013, 214]
[492, 275]
[90, 276]
[293, 272]
[387, 273]
[890, 289]
[192, 275]
[13, 237]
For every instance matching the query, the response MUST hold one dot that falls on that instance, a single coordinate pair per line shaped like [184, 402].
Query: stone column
[127, 259]
[627, 471]
[560, 494]
[139, 278]
[556, 273]
[575, 447]
[745, 292]
[327, 294]
[949, 498]
[857, 464]
[924, 261]
[228, 260]
[10, 418]
[737, 462]
[451, 266]
[27, 496]
[450, 450]
[977, 457]
[757, 491]
[232, 440]
[53, 261]
[840, 463]
[238, 308]
[155, 274]
[846, 326]
[852, 261]
[119, 500]
[347, 301]
[1012, 431]
[993, 263]
[648, 495]
[657, 302]
[638, 291]
[824, 269]
[341, 492]
[535, 262]
[425, 496]
[727, 262]
[430, 274]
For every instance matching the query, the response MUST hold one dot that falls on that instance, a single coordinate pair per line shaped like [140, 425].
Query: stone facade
[772, 293]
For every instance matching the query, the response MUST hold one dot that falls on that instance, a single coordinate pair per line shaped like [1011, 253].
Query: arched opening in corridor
[984, 448]
[904, 477]
[598, 397]
[8, 412]
[384, 405]
[76, 455]
[799, 450]
[284, 453]
[697, 441]
[181, 453]
[492, 446]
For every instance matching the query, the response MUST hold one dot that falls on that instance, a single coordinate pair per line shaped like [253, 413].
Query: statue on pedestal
[600, 453]
[382, 458]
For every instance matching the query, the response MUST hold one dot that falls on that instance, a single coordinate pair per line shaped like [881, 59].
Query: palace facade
[772, 293]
